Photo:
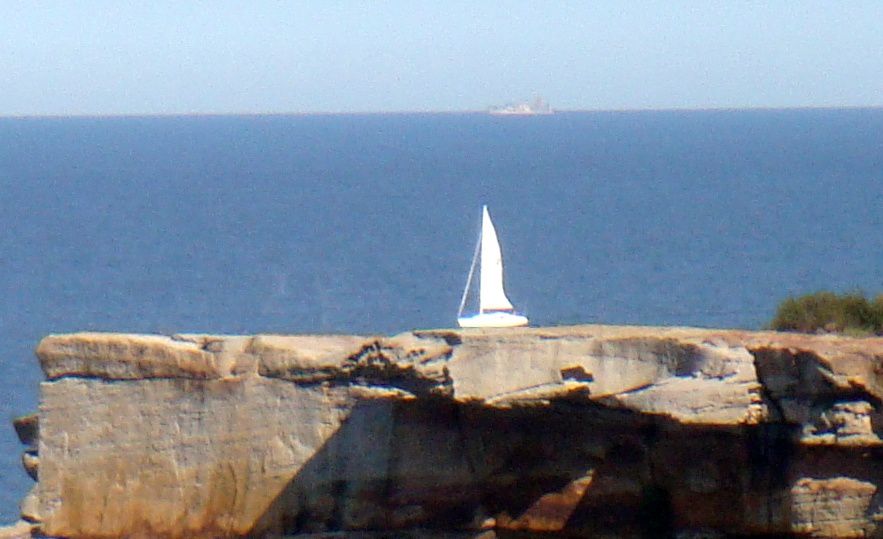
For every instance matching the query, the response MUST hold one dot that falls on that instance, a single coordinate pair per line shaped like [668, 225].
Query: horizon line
[111, 115]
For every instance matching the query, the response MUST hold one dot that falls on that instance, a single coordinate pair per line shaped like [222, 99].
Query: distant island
[535, 107]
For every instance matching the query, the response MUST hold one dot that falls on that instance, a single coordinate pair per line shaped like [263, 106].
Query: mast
[469, 277]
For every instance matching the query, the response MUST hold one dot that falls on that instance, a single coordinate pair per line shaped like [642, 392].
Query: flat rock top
[133, 356]
[734, 337]
[498, 365]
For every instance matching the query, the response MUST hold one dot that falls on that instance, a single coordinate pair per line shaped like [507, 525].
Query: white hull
[492, 320]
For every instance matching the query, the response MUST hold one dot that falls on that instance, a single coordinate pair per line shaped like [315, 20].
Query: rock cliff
[535, 432]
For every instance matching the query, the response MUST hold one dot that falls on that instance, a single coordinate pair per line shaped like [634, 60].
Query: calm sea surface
[367, 223]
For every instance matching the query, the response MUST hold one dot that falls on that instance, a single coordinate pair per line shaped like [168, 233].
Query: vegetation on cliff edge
[827, 312]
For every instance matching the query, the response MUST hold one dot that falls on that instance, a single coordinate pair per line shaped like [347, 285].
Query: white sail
[491, 296]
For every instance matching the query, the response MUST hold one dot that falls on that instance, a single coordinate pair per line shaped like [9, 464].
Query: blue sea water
[366, 223]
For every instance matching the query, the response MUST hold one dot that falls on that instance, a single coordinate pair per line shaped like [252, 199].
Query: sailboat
[494, 308]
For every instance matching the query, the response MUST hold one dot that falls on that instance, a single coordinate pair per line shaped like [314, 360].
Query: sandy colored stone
[30, 461]
[405, 363]
[843, 423]
[125, 357]
[30, 507]
[552, 511]
[582, 431]
[206, 457]
[305, 357]
[835, 507]
[19, 530]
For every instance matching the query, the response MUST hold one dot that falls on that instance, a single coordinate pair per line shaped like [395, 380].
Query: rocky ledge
[536, 432]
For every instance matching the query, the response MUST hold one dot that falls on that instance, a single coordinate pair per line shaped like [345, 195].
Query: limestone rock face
[124, 357]
[19, 530]
[567, 431]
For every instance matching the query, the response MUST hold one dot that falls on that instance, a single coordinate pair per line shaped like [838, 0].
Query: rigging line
[469, 277]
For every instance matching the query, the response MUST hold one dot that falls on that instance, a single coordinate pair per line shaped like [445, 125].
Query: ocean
[367, 223]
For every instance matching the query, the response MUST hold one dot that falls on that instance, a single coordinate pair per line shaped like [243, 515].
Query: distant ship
[538, 106]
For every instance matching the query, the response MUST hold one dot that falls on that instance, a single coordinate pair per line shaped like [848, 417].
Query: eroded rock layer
[535, 432]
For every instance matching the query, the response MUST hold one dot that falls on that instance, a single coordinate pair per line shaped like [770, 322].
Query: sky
[120, 57]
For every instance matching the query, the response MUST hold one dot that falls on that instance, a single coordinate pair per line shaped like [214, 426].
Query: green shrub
[850, 313]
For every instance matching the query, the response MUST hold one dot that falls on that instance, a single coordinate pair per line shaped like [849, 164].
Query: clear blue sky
[119, 57]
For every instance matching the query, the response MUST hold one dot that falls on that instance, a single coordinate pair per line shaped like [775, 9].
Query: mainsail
[494, 308]
[491, 296]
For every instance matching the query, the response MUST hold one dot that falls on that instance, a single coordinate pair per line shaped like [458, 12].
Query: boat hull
[492, 320]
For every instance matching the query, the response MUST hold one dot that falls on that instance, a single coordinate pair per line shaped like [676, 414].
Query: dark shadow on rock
[566, 469]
